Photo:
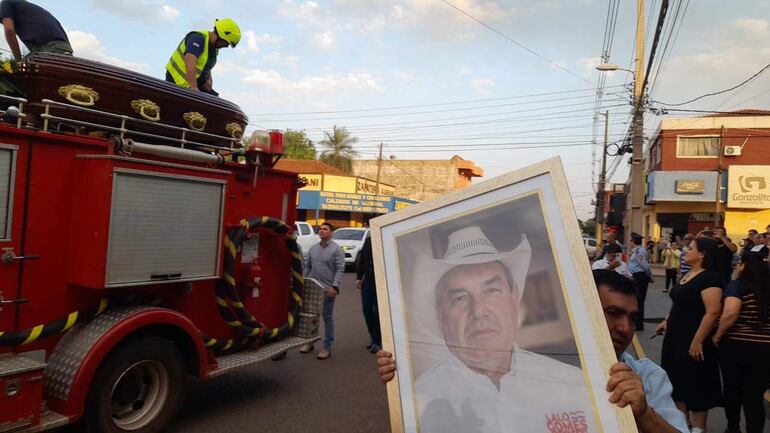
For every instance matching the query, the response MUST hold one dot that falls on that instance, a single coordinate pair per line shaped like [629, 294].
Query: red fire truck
[126, 266]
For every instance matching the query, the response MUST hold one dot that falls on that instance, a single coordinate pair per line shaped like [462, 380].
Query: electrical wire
[438, 104]
[517, 43]
[744, 82]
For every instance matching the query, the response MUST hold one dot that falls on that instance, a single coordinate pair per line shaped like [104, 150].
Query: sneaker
[324, 354]
[306, 348]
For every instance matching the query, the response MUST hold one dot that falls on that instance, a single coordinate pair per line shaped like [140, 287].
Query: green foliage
[338, 149]
[297, 145]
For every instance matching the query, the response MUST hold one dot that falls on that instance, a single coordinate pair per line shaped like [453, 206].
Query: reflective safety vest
[176, 67]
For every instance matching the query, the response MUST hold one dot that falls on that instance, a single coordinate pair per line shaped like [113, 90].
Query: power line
[374, 127]
[438, 104]
[446, 110]
[746, 81]
[519, 44]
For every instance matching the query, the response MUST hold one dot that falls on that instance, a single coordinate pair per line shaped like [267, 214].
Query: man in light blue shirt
[641, 384]
[639, 266]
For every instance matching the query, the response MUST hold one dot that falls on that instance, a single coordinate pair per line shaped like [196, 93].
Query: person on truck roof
[36, 27]
[192, 61]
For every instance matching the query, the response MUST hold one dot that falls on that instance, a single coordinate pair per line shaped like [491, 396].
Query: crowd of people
[716, 345]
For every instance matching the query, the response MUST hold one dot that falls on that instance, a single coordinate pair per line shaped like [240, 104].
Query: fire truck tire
[138, 388]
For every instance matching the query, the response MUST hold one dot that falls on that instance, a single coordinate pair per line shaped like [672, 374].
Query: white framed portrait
[487, 302]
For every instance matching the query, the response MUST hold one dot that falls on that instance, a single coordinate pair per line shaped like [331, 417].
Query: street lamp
[609, 67]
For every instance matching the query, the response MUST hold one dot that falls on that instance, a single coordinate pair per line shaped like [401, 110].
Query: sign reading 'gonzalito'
[347, 202]
[749, 186]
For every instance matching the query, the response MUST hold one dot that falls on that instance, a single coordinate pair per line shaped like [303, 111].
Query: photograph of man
[486, 383]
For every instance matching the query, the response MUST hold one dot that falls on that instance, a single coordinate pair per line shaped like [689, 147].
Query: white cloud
[482, 86]
[144, 11]
[464, 70]
[587, 66]
[326, 84]
[278, 58]
[168, 13]
[324, 41]
[267, 38]
[89, 46]
[251, 42]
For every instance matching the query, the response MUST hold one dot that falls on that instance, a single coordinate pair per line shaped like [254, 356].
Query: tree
[338, 149]
[297, 145]
[588, 227]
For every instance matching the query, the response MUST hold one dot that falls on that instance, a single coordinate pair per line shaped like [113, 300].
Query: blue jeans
[328, 314]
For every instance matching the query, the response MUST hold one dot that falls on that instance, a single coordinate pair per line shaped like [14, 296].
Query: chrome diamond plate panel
[75, 345]
[11, 363]
[313, 296]
[229, 363]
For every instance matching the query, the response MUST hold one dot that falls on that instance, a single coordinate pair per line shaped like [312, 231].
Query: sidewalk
[656, 308]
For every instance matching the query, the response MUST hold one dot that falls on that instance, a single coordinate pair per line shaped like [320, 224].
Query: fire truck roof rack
[182, 141]
[17, 112]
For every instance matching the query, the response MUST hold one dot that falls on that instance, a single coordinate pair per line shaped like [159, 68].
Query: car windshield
[348, 235]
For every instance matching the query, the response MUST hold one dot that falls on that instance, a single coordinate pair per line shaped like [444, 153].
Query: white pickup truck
[306, 236]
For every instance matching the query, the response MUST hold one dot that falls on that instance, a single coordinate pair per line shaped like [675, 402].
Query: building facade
[420, 180]
[330, 195]
[708, 171]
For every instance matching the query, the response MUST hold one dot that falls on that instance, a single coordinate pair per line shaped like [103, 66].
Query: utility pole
[600, 189]
[717, 201]
[379, 168]
[637, 143]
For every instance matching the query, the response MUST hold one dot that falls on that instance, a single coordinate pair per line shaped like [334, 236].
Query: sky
[504, 83]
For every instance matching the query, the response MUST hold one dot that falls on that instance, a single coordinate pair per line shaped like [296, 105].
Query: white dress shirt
[622, 269]
[538, 394]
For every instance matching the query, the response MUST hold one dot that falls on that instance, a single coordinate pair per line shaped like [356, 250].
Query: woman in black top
[689, 356]
[744, 344]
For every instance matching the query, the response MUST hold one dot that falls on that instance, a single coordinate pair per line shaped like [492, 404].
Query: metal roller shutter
[163, 228]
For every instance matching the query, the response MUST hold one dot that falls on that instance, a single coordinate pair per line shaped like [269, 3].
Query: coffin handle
[79, 95]
[146, 109]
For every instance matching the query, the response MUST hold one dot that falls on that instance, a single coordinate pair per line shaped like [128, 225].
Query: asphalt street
[299, 394]
[342, 394]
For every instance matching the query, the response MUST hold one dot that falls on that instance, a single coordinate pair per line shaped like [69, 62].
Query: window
[697, 147]
[304, 229]
[7, 168]
[591, 242]
[349, 234]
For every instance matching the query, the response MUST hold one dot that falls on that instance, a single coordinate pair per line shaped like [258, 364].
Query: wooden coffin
[108, 88]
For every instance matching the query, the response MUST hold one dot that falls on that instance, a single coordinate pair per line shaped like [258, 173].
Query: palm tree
[339, 150]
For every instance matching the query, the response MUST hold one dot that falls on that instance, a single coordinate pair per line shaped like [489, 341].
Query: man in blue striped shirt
[684, 267]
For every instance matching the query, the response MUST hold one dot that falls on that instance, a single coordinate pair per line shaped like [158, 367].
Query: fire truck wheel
[138, 388]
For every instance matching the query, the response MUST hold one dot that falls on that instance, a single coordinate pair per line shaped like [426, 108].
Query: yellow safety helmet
[228, 30]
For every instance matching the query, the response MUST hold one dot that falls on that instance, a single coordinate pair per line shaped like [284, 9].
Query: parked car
[306, 236]
[351, 239]
[590, 244]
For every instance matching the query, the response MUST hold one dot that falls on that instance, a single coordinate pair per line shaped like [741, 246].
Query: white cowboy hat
[466, 246]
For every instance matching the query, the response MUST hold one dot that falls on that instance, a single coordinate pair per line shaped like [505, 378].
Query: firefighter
[192, 61]
[36, 27]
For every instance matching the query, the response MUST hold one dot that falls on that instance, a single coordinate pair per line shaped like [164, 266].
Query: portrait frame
[545, 182]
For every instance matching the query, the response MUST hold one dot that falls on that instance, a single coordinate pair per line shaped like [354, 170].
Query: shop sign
[313, 182]
[366, 186]
[748, 186]
[347, 202]
[690, 186]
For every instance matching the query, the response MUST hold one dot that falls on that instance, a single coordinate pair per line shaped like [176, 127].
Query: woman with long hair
[689, 356]
[744, 343]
